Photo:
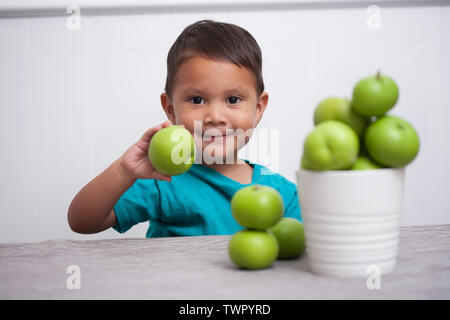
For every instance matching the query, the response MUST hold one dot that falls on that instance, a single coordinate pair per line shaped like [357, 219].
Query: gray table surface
[199, 268]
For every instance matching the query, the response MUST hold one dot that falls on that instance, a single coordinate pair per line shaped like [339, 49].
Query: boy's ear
[261, 106]
[168, 107]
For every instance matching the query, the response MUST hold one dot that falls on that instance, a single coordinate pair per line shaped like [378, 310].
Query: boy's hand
[135, 161]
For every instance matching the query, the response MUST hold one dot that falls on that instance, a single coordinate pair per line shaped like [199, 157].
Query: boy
[214, 80]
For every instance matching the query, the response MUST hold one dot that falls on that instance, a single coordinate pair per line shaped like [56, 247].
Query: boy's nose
[215, 115]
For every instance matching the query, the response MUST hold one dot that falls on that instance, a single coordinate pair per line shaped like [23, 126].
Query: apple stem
[378, 75]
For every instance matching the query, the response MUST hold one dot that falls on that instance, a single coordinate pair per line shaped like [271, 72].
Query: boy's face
[217, 95]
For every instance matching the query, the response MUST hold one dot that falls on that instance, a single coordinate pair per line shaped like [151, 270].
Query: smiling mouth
[213, 138]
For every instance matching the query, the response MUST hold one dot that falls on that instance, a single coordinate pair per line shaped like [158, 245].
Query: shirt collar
[201, 170]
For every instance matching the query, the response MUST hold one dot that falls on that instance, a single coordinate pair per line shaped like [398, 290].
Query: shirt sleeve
[293, 208]
[136, 204]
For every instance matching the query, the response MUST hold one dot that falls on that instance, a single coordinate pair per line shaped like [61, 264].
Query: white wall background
[72, 101]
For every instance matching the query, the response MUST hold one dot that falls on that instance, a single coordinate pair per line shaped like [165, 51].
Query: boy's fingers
[147, 136]
[167, 123]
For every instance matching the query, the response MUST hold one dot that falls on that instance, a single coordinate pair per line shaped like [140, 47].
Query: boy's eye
[196, 100]
[233, 99]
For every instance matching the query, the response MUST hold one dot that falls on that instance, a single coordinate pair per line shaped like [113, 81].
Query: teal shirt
[195, 203]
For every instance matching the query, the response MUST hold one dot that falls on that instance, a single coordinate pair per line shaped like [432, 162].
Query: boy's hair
[216, 41]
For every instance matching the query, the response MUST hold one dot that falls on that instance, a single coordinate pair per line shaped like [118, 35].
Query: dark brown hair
[216, 41]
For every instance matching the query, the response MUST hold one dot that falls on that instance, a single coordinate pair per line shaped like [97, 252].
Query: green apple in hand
[374, 95]
[392, 141]
[291, 238]
[253, 249]
[332, 145]
[172, 150]
[365, 163]
[335, 108]
[257, 206]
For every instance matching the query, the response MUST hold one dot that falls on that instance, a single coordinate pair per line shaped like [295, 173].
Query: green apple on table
[253, 249]
[172, 150]
[291, 238]
[392, 141]
[374, 95]
[336, 108]
[257, 206]
[332, 145]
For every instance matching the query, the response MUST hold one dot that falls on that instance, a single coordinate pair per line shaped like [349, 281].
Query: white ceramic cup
[351, 219]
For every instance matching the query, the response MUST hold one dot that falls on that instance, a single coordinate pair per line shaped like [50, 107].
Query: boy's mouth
[216, 137]
[213, 138]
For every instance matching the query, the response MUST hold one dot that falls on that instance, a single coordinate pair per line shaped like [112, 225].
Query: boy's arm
[91, 210]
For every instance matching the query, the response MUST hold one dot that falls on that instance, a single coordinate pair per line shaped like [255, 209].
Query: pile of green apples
[267, 235]
[359, 134]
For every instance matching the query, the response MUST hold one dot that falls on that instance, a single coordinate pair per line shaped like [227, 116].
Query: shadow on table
[299, 264]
